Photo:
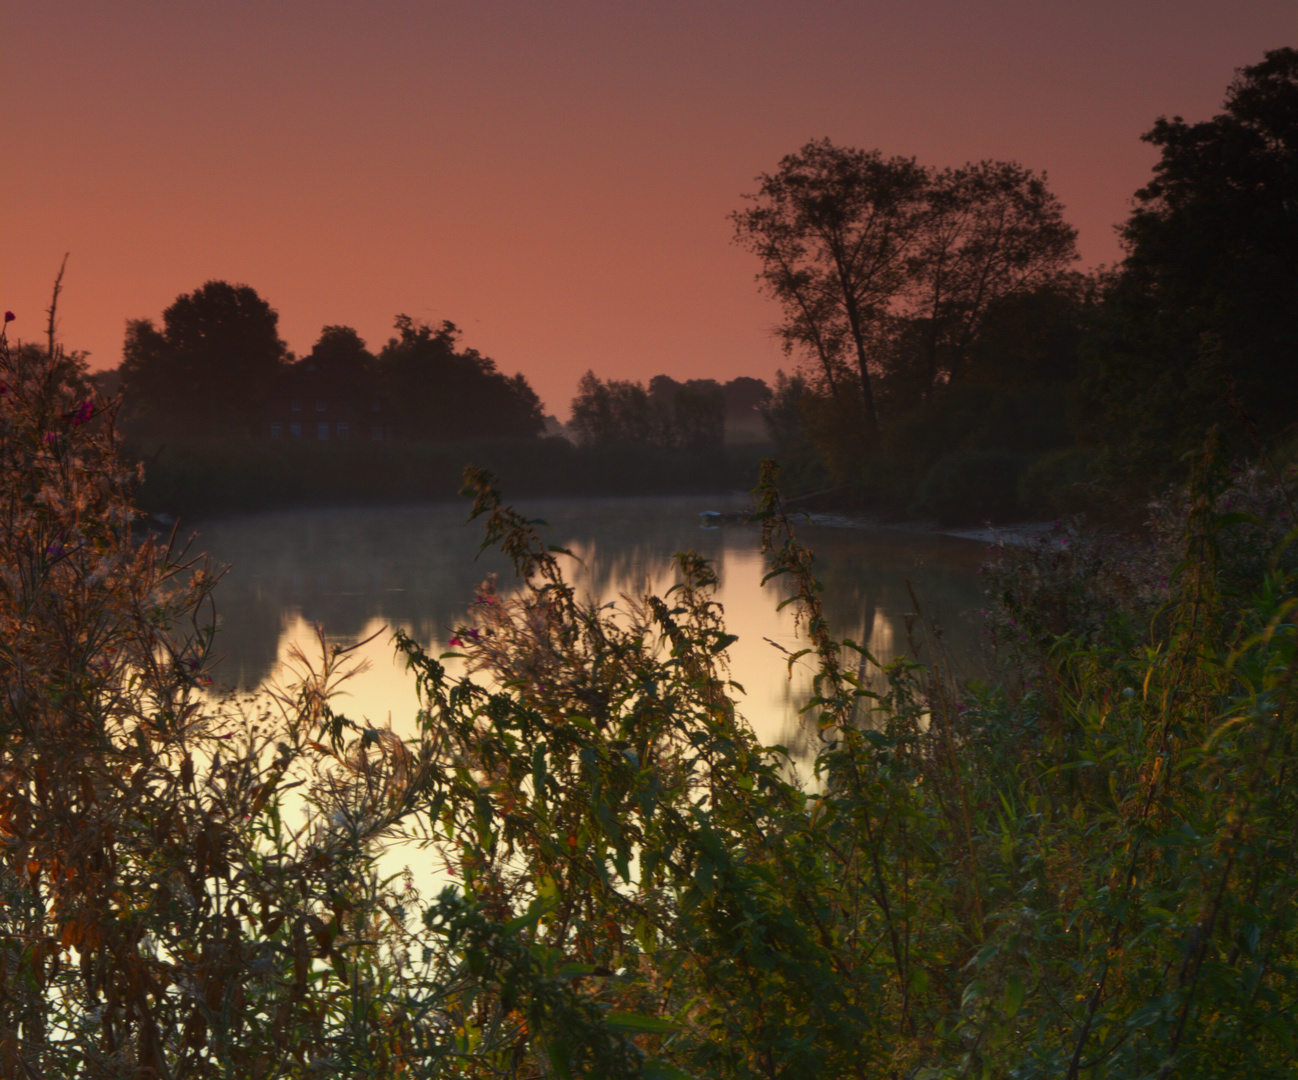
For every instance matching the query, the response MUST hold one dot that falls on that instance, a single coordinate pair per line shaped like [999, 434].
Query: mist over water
[365, 571]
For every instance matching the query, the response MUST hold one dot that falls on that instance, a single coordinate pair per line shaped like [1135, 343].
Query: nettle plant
[1101, 884]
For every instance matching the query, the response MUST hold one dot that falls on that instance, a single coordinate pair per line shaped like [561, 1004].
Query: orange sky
[553, 177]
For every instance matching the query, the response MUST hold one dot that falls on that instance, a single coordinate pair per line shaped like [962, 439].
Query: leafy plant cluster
[1080, 585]
[1099, 882]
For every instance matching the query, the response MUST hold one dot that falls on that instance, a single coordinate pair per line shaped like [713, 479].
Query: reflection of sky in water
[360, 570]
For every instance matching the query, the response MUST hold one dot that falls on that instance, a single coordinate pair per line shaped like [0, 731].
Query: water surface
[358, 572]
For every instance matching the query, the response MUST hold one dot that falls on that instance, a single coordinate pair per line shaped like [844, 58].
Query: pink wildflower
[83, 413]
[51, 436]
[10, 316]
[455, 643]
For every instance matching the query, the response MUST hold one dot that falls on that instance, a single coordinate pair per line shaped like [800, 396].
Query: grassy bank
[223, 476]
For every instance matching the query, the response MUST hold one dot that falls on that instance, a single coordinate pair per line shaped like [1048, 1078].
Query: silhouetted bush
[972, 485]
[1055, 484]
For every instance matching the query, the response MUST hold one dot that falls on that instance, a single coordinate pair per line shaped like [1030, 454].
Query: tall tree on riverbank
[992, 231]
[206, 371]
[1207, 297]
[835, 229]
[886, 268]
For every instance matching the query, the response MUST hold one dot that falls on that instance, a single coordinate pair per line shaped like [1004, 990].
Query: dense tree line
[445, 392]
[208, 368]
[692, 415]
[942, 336]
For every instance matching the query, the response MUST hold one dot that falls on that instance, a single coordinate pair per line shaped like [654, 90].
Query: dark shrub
[968, 486]
[1055, 484]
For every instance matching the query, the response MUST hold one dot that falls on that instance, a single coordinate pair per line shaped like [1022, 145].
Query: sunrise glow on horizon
[554, 179]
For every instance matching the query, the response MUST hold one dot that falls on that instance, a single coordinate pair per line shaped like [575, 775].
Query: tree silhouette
[446, 394]
[885, 267]
[993, 231]
[835, 230]
[1204, 310]
[206, 371]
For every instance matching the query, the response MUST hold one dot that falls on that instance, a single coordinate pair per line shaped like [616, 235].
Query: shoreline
[1015, 533]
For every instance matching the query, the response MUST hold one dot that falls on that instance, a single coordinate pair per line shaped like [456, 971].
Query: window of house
[296, 404]
[295, 430]
[341, 432]
[376, 433]
[319, 404]
[322, 431]
[276, 430]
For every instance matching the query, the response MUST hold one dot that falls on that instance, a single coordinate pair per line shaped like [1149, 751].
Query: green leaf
[918, 979]
[639, 1024]
[1013, 996]
[535, 911]
[561, 1059]
[723, 642]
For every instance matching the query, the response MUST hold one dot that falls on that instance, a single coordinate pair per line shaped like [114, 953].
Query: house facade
[315, 401]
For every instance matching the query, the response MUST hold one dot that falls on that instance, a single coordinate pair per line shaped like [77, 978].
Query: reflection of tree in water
[621, 545]
[411, 567]
[415, 568]
[864, 573]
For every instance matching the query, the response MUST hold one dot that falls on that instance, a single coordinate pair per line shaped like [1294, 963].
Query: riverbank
[1016, 533]
[213, 478]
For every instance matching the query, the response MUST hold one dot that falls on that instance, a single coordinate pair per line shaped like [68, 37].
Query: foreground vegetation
[1087, 873]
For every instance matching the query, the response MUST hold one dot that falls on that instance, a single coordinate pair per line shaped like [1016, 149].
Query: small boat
[712, 519]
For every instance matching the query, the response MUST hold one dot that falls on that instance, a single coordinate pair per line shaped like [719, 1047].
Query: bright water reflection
[357, 571]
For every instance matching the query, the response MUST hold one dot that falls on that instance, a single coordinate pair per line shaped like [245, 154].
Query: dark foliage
[887, 273]
[199, 478]
[446, 394]
[970, 486]
[1202, 319]
[206, 371]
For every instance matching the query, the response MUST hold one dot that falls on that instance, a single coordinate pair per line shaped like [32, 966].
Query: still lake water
[358, 571]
